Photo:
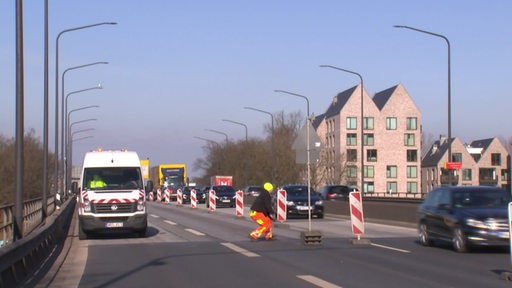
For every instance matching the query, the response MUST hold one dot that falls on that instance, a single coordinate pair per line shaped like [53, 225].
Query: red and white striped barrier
[281, 205]
[159, 195]
[167, 196]
[239, 199]
[179, 197]
[150, 196]
[211, 200]
[193, 199]
[356, 213]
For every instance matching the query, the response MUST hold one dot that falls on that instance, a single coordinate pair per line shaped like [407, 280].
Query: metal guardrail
[32, 218]
[23, 258]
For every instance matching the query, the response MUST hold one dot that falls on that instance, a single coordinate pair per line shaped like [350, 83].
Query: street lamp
[57, 88]
[449, 89]
[207, 140]
[272, 139]
[362, 119]
[63, 113]
[308, 123]
[238, 123]
[219, 132]
[65, 124]
[244, 164]
[69, 154]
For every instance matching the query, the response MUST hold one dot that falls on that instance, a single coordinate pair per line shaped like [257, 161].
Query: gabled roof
[339, 102]
[317, 120]
[436, 153]
[381, 98]
[484, 143]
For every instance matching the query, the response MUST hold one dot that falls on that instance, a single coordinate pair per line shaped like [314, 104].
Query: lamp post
[449, 88]
[362, 119]
[308, 123]
[244, 176]
[69, 154]
[219, 132]
[239, 123]
[272, 139]
[211, 149]
[64, 134]
[57, 89]
[207, 140]
[64, 111]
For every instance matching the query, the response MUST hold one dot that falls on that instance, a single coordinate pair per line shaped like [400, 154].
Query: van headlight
[141, 204]
[319, 202]
[86, 205]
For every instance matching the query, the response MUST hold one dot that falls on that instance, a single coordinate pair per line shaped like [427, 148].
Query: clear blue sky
[179, 67]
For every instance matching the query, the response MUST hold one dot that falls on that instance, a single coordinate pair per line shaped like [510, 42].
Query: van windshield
[112, 178]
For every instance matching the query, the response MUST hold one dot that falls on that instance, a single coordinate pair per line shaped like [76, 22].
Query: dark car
[336, 192]
[465, 216]
[253, 190]
[225, 196]
[200, 198]
[297, 201]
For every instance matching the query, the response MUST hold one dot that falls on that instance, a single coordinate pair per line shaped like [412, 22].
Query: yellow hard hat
[268, 186]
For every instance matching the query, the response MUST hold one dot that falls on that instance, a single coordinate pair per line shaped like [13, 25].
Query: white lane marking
[317, 281]
[194, 232]
[390, 248]
[154, 216]
[240, 250]
[169, 222]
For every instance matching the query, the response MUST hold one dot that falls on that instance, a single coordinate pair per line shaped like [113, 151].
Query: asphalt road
[187, 247]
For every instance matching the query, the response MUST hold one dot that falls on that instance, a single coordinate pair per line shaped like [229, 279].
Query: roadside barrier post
[179, 197]
[211, 200]
[357, 217]
[193, 199]
[159, 195]
[239, 203]
[167, 196]
[281, 205]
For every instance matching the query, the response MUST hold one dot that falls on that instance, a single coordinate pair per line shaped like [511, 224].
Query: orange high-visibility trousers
[265, 223]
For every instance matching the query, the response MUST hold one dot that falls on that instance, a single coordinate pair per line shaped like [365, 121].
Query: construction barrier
[356, 213]
[211, 200]
[281, 205]
[167, 196]
[193, 199]
[179, 197]
[239, 203]
[159, 195]
[150, 195]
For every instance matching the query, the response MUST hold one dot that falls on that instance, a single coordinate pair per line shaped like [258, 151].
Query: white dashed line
[169, 222]
[154, 216]
[240, 250]
[391, 248]
[317, 281]
[195, 232]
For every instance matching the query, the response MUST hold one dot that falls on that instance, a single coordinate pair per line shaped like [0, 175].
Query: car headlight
[476, 223]
[141, 204]
[86, 205]
[290, 203]
[319, 202]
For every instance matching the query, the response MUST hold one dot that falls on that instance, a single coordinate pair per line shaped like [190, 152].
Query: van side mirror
[74, 187]
[149, 186]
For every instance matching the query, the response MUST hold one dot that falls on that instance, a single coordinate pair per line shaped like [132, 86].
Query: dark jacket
[263, 203]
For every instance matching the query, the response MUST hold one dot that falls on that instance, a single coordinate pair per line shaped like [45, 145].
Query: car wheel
[82, 235]
[423, 235]
[459, 240]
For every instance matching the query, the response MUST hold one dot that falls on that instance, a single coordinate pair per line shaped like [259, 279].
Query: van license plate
[115, 225]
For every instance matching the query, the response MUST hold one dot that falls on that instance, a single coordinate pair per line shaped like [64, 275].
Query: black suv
[465, 216]
[297, 201]
[225, 196]
[336, 192]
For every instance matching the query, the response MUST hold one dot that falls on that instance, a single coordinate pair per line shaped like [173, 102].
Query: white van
[111, 193]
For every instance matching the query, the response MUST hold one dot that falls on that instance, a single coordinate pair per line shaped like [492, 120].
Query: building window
[368, 139]
[369, 187]
[466, 175]
[412, 155]
[411, 123]
[351, 139]
[351, 155]
[368, 123]
[412, 187]
[371, 155]
[504, 174]
[391, 123]
[496, 159]
[412, 172]
[409, 139]
[456, 157]
[352, 171]
[351, 123]
[391, 171]
[391, 187]
[487, 174]
[369, 171]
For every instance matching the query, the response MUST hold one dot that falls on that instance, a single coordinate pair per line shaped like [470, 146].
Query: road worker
[97, 182]
[262, 213]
